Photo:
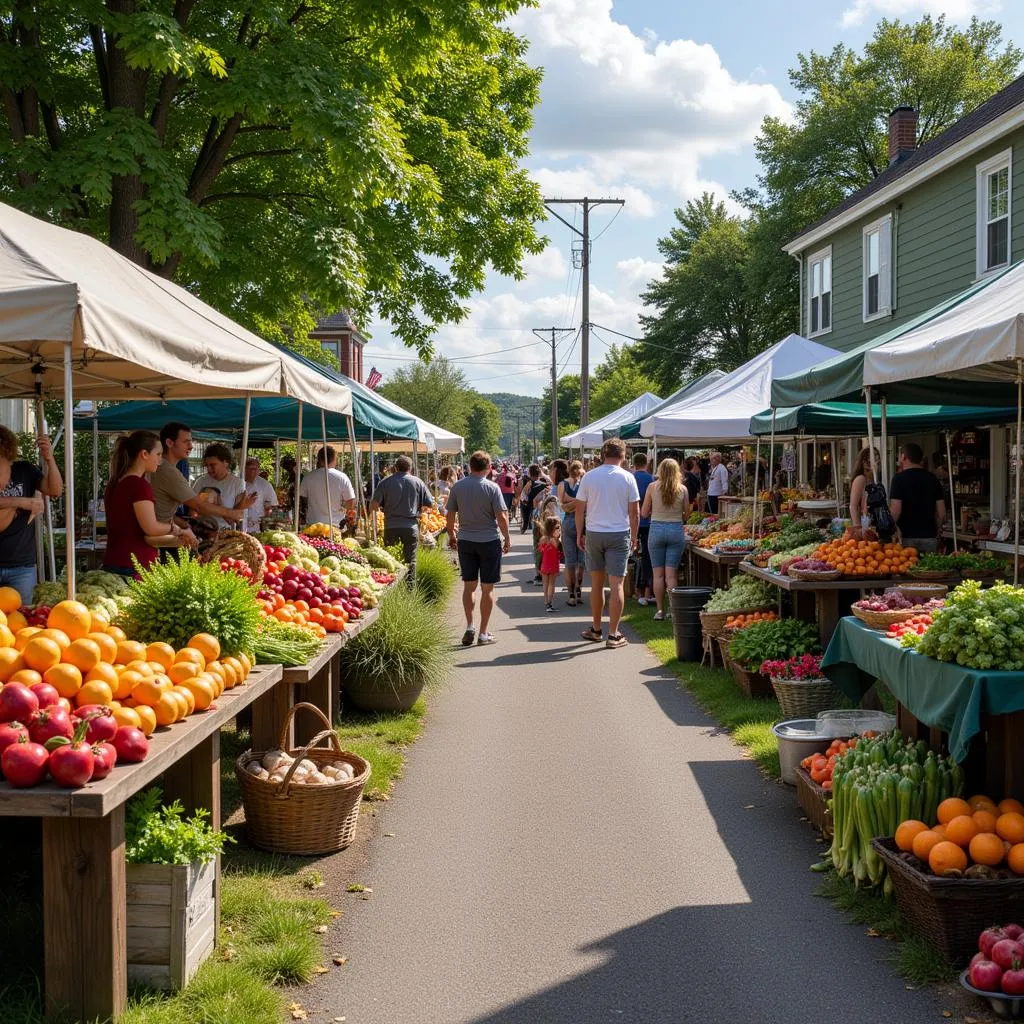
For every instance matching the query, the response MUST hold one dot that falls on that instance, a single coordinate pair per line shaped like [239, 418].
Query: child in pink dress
[549, 547]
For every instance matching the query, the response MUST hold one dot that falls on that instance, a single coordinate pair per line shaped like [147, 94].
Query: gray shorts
[569, 548]
[607, 552]
[926, 545]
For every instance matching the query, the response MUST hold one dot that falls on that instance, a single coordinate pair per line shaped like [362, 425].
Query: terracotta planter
[380, 697]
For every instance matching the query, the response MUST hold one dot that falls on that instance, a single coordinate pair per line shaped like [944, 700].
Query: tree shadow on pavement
[761, 949]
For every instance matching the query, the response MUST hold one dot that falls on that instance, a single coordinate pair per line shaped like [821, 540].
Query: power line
[629, 337]
[609, 224]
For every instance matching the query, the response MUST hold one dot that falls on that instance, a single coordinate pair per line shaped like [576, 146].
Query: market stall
[593, 434]
[629, 430]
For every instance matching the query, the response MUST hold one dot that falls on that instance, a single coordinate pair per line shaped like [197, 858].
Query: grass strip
[383, 740]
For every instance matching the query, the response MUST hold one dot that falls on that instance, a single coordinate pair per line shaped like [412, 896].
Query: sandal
[616, 640]
[571, 602]
[593, 635]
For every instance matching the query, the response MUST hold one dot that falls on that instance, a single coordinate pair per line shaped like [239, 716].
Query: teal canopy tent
[846, 419]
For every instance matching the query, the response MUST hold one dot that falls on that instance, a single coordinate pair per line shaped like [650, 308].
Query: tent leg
[69, 469]
[835, 480]
[245, 434]
[757, 498]
[886, 476]
[415, 457]
[277, 463]
[45, 557]
[771, 457]
[327, 475]
[1016, 475]
[372, 519]
[357, 483]
[952, 496]
[95, 473]
[871, 439]
[298, 467]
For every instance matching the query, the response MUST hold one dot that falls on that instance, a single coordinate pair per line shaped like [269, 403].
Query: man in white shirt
[608, 509]
[266, 496]
[718, 482]
[218, 486]
[313, 491]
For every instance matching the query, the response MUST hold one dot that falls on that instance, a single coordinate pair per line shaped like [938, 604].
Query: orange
[217, 669]
[953, 808]
[940, 829]
[215, 683]
[961, 830]
[1009, 804]
[22, 637]
[126, 682]
[202, 691]
[6, 636]
[130, 650]
[237, 666]
[26, 676]
[193, 655]
[16, 621]
[95, 692]
[41, 653]
[149, 691]
[116, 632]
[166, 709]
[1015, 859]
[186, 695]
[987, 849]
[65, 679]
[183, 670]
[84, 654]
[985, 820]
[10, 661]
[104, 673]
[947, 858]
[907, 831]
[982, 803]
[72, 617]
[107, 645]
[128, 716]
[161, 653]
[180, 701]
[230, 675]
[148, 718]
[207, 645]
[924, 842]
[10, 599]
[247, 661]
[1010, 826]
[63, 640]
[144, 668]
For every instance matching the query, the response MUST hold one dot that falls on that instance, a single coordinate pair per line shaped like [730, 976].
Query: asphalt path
[574, 841]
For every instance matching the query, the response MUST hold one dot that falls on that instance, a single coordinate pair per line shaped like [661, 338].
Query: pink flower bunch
[806, 666]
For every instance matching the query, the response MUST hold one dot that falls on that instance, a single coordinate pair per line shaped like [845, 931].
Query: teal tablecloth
[940, 694]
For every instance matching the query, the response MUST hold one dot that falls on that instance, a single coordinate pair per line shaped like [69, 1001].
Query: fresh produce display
[856, 557]
[742, 621]
[800, 668]
[379, 558]
[238, 548]
[328, 547]
[158, 833]
[296, 549]
[99, 591]
[978, 628]
[431, 521]
[821, 767]
[733, 545]
[889, 601]
[781, 562]
[384, 579]
[237, 566]
[998, 966]
[736, 530]
[883, 781]
[174, 600]
[909, 631]
[284, 643]
[275, 765]
[745, 592]
[711, 539]
[323, 531]
[794, 534]
[975, 838]
[809, 565]
[775, 640]
[959, 561]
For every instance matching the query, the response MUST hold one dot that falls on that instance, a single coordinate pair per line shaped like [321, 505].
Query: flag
[374, 378]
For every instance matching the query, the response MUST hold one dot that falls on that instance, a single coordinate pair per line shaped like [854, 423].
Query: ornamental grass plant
[435, 576]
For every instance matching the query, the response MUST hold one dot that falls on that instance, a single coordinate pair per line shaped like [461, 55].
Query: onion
[274, 759]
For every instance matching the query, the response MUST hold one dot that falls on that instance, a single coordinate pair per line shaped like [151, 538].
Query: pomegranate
[17, 703]
[49, 722]
[72, 763]
[101, 722]
[11, 732]
[986, 975]
[1005, 951]
[24, 763]
[1013, 979]
[104, 758]
[1013, 931]
[130, 743]
[45, 694]
[988, 938]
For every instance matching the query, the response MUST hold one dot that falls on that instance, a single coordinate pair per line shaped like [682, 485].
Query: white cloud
[583, 181]
[636, 272]
[954, 10]
[549, 265]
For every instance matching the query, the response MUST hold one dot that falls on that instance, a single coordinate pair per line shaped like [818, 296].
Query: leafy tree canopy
[618, 380]
[437, 391]
[280, 158]
[483, 426]
[568, 407]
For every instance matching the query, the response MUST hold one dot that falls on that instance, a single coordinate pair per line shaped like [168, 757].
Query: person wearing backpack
[916, 501]
[507, 486]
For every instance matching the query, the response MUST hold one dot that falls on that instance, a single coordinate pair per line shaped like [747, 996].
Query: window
[877, 262]
[995, 178]
[819, 306]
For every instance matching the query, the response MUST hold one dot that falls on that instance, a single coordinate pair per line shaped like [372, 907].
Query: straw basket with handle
[288, 817]
[883, 620]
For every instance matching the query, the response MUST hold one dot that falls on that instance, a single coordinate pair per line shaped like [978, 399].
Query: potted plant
[388, 665]
[801, 688]
[171, 878]
[780, 639]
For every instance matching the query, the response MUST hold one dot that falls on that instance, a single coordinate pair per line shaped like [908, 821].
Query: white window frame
[819, 257]
[996, 163]
[883, 228]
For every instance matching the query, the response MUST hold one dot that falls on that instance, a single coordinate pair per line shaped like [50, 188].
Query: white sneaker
[642, 601]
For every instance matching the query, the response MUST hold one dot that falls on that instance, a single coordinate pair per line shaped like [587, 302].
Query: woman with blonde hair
[862, 476]
[667, 503]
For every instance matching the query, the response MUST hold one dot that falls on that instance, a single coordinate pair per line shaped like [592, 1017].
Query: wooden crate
[171, 922]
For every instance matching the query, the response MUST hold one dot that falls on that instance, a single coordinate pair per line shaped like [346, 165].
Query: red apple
[987, 976]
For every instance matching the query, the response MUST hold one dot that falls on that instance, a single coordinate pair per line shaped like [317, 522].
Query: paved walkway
[575, 842]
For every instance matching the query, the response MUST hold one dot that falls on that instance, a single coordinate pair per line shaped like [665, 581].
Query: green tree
[568, 408]
[437, 391]
[483, 425]
[280, 158]
[617, 380]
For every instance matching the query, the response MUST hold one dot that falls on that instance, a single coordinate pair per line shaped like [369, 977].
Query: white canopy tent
[722, 411]
[592, 435]
[429, 438]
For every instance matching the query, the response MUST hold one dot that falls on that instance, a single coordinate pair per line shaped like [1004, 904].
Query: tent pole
[327, 474]
[952, 496]
[871, 439]
[95, 471]
[50, 558]
[886, 476]
[70, 470]
[1016, 518]
[415, 457]
[245, 438]
[298, 468]
[835, 479]
[357, 483]
[757, 493]
[771, 457]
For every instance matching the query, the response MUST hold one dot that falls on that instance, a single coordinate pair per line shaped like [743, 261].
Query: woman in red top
[129, 503]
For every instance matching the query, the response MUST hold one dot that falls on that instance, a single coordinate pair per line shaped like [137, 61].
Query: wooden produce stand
[825, 602]
[711, 569]
[84, 903]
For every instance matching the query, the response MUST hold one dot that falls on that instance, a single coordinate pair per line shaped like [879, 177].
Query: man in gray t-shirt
[401, 496]
[480, 536]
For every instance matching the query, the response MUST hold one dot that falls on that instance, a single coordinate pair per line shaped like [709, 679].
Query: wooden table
[712, 569]
[84, 902]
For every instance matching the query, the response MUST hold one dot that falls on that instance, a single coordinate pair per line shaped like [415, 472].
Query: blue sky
[653, 101]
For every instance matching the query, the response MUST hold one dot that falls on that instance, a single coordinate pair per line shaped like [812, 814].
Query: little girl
[550, 557]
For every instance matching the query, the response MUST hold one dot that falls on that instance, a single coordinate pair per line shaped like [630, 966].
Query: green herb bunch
[173, 600]
[774, 641]
[156, 834]
[283, 643]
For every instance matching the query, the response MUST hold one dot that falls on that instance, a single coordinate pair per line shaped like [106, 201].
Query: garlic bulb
[274, 759]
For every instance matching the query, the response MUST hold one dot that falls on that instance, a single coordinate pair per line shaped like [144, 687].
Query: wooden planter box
[172, 922]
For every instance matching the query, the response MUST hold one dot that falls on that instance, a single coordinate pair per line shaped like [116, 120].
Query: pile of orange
[749, 618]
[854, 557]
[975, 831]
[319, 621]
[89, 662]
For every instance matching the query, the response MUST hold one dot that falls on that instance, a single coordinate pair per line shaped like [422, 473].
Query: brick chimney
[902, 133]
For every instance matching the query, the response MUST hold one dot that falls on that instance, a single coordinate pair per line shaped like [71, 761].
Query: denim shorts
[569, 548]
[608, 552]
[666, 543]
[22, 578]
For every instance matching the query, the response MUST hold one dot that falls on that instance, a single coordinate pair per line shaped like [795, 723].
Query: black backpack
[878, 509]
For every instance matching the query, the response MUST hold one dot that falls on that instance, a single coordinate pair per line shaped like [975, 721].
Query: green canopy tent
[845, 419]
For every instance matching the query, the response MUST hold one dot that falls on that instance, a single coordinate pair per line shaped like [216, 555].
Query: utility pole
[584, 264]
[540, 332]
[519, 445]
[533, 409]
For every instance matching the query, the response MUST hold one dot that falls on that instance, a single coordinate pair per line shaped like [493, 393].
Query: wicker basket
[921, 592]
[937, 575]
[809, 576]
[238, 544]
[883, 620]
[813, 799]
[982, 574]
[752, 683]
[949, 913]
[712, 622]
[303, 820]
[804, 698]
[723, 639]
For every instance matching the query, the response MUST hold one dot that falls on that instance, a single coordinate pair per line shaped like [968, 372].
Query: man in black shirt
[917, 501]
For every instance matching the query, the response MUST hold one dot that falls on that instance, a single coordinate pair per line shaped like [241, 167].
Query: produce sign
[975, 838]
[773, 641]
[879, 784]
[745, 592]
[998, 966]
[853, 557]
